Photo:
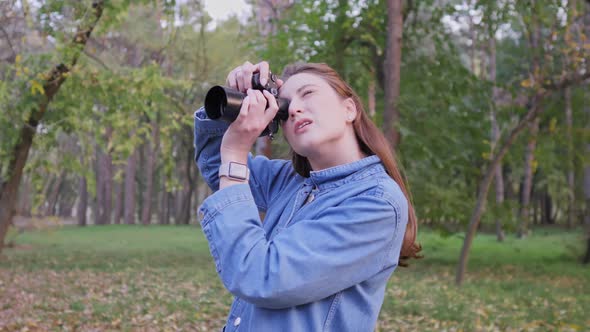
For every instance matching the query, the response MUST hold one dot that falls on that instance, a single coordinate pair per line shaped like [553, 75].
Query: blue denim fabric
[320, 259]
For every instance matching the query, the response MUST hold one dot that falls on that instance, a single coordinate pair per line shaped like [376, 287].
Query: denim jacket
[320, 259]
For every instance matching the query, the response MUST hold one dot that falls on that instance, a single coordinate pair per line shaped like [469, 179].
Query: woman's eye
[306, 92]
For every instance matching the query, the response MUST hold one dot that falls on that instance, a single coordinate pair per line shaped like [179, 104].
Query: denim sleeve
[307, 261]
[267, 177]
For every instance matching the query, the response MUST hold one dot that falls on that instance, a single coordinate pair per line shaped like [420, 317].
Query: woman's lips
[301, 125]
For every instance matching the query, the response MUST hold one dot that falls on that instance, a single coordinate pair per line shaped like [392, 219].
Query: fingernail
[263, 80]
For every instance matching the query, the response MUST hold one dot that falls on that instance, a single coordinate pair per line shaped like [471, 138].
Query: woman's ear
[351, 110]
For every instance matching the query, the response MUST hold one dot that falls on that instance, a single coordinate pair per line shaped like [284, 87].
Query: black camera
[224, 103]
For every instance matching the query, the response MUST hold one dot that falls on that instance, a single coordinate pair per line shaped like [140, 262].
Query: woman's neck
[329, 156]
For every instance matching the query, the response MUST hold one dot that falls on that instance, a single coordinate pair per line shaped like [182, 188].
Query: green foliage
[445, 131]
[445, 106]
[152, 62]
[123, 84]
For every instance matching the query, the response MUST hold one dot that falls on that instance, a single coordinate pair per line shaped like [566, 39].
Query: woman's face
[319, 119]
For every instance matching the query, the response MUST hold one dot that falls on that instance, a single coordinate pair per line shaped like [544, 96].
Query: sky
[221, 9]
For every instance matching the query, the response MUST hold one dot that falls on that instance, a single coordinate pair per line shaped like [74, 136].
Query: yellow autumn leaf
[570, 326]
[526, 83]
[36, 87]
[552, 125]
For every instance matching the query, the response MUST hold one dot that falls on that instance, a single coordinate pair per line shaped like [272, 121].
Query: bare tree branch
[97, 60]
[9, 44]
[567, 81]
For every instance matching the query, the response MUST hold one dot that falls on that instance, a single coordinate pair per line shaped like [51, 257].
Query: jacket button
[237, 321]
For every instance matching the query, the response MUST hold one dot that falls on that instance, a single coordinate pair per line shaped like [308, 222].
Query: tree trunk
[183, 216]
[164, 200]
[10, 187]
[371, 97]
[151, 153]
[130, 189]
[118, 198]
[547, 212]
[25, 202]
[473, 38]
[528, 180]
[164, 211]
[587, 166]
[83, 202]
[393, 57]
[100, 190]
[54, 193]
[67, 199]
[498, 176]
[107, 169]
[534, 129]
[339, 34]
[536, 210]
[185, 195]
[587, 198]
[139, 181]
[570, 159]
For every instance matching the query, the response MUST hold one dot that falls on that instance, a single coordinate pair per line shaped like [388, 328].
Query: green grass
[163, 278]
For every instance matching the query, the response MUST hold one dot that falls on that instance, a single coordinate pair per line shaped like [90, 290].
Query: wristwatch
[235, 171]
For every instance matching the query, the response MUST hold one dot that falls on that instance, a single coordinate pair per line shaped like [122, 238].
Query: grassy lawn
[161, 278]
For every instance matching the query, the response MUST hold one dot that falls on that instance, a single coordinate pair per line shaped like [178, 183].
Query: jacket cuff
[204, 125]
[223, 198]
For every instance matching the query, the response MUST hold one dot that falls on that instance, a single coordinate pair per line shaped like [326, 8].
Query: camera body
[223, 103]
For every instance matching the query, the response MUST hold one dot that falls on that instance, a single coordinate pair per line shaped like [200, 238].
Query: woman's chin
[302, 151]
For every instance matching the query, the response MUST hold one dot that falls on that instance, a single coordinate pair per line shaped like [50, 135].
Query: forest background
[486, 104]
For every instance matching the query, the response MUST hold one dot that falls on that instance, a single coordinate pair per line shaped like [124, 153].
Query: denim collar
[341, 174]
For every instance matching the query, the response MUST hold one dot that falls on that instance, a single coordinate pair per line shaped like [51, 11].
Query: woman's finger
[239, 85]
[264, 70]
[273, 106]
[231, 80]
[244, 110]
[258, 102]
[246, 78]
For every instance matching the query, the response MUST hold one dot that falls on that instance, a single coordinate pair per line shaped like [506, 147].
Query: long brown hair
[371, 142]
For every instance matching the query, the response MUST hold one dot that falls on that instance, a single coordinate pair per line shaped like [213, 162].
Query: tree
[392, 70]
[587, 149]
[49, 88]
[535, 75]
[543, 83]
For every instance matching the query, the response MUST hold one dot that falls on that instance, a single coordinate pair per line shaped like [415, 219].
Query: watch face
[238, 171]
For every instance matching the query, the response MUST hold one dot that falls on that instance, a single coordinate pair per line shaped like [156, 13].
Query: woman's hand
[257, 111]
[241, 77]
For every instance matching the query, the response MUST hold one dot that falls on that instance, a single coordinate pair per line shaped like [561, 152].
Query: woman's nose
[294, 108]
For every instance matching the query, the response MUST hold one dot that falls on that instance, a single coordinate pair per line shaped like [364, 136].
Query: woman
[336, 217]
